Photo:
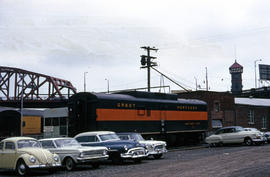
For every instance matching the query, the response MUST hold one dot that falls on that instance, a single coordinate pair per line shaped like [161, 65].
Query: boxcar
[152, 114]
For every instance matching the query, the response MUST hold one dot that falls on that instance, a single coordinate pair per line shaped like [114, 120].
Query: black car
[118, 150]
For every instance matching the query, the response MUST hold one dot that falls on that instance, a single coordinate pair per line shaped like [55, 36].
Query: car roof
[127, 133]
[14, 139]
[46, 139]
[231, 127]
[95, 133]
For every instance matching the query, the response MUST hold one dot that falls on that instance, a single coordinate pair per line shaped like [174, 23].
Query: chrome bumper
[54, 165]
[134, 153]
[92, 159]
[159, 151]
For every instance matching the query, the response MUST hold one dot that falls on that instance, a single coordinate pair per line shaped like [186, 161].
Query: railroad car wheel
[157, 156]
[248, 141]
[95, 165]
[69, 164]
[21, 168]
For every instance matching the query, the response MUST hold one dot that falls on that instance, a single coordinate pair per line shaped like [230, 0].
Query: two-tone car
[118, 150]
[234, 134]
[155, 148]
[72, 153]
[24, 153]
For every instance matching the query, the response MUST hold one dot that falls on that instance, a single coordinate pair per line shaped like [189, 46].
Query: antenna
[235, 54]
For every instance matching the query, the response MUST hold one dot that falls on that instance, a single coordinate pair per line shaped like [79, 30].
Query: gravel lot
[231, 161]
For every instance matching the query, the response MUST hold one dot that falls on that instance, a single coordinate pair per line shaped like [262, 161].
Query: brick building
[253, 112]
[226, 110]
[220, 107]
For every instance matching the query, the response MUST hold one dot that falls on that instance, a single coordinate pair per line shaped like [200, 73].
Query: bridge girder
[16, 84]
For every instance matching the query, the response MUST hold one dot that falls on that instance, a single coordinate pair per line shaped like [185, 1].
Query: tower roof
[236, 65]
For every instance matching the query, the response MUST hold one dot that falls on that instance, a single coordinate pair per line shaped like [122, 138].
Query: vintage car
[118, 150]
[267, 136]
[72, 153]
[234, 134]
[154, 148]
[24, 153]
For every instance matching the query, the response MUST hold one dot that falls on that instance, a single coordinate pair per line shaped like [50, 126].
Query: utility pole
[206, 79]
[147, 63]
[84, 79]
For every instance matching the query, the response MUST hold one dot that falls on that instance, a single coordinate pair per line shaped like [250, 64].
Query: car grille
[93, 153]
[138, 151]
[159, 147]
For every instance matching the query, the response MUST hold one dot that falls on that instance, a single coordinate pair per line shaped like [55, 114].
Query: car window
[123, 137]
[87, 139]
[109, 137]
[229, 130]
[28, 143]
[220, 131]
[67, 142]
[1, 145]
[10, 146]
[47, 144]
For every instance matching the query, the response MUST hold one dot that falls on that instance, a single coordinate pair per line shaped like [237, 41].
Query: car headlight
[56, 158]
[32, 159]
[105, 152]
[125, 147]
[81, 155]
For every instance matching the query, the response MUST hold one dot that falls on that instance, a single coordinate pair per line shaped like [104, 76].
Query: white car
[155, 148]
[24, 153]
[72, 153]
[235, 134]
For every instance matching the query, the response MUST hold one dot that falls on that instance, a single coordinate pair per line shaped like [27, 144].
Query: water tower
[236, 71]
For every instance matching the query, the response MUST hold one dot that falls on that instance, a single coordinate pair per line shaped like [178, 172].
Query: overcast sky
[65, 38]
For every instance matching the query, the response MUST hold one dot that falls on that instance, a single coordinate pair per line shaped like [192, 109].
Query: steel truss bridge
[35, 89]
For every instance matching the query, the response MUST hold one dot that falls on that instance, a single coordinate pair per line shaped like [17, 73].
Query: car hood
[84, 148]
[121, 143]
[152, 142]
[42, 155]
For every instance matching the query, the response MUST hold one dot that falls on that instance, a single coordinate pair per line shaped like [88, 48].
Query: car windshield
[137, 137]
[109, 137]
[67, 142]
[28, 143]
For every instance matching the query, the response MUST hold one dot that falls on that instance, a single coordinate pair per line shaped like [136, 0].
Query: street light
[108, 85]
[255, 72]
[21, 122]
[84, 83]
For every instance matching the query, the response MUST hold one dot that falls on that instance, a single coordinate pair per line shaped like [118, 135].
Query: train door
[163, 116]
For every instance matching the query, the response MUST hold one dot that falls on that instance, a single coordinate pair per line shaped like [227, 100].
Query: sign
[264, 71]
[32, 125]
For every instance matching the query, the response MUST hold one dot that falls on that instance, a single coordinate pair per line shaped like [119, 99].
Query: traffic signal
[143, 60]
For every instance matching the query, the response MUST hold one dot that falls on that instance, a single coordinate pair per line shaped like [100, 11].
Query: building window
[217, 107]
[264, 122]
[250, 116]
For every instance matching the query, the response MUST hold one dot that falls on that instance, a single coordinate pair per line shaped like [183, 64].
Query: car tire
[21, 168]
[248, 141]
[157, 156]
[116, 159]
[95, 165]
[69, 164]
